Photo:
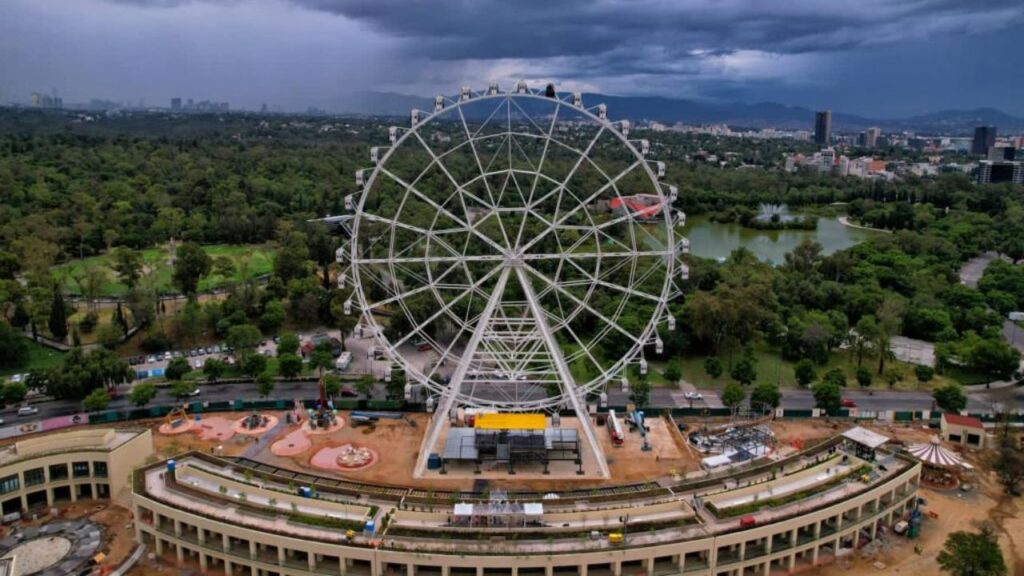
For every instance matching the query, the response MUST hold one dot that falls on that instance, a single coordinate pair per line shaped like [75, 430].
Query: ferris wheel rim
[665, 217]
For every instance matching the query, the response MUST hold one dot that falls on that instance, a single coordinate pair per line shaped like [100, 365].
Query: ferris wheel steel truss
[505, 295]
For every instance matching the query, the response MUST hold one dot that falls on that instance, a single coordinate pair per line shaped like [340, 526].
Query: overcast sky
[880, 58]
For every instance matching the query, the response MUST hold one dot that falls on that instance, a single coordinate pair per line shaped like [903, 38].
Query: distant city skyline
[875, 58]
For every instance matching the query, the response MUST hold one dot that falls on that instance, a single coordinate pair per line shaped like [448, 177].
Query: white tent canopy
[933, 454]
[865, 437]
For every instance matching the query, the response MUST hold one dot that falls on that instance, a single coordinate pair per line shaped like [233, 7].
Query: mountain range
[759, 115]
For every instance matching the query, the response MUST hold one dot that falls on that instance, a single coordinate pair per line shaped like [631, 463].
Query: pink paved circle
[334, 459]
[241, 429]
[294, 443]
[181, 428]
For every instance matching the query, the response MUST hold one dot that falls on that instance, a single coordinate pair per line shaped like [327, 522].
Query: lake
[716, 240]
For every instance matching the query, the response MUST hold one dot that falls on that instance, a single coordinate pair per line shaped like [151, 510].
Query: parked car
[27, 410]
[693, 396]
[348, 392]
[848, 403]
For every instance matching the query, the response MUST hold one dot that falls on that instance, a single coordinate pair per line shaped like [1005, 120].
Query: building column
[768, 544]
[410, 569]
[202, 561]
[311, 560]
[583, 570]
[743, 551]
[617, 568]
[252, 548]
[792, 562]
[650, 566]
[280, 555]
[74, 491]
[177, 528]
[446, 570]
[49, 498]
[180, 553]
[548, 571]
[201, 534]
[227, 542]
[227, 568]
[681, 562]
[159, 546]
[814, 555]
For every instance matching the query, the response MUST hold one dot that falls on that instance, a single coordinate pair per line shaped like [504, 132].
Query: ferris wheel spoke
[543, 277]
[467, 227]
[560, 220]
[444, 309]
[476, 155]
[613, 285]
[444, 168]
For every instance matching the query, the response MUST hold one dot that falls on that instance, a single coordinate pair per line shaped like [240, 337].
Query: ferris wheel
[521, 237]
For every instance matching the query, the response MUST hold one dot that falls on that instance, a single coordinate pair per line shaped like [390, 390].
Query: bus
[343, 362]
[615, 429]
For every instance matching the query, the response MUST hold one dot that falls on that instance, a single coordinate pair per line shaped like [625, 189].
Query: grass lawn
[156, 263]
[771, 367]
[40, 357]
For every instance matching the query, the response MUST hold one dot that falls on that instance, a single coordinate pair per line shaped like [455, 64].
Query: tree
[190, 320]
[745, 370]
[765, 396]
[890, 318]
[97, 400]
[143, 393]
[332, 385]
[288, 344]
[14, 351]
[289, 365]
[213, 369]
[892, 376]
[128, 265]
[346, 323]
[190, 265]
[863, 376]
[364, 385]
[1009, 467]
[273, 316]
[951, 397]
[396, 387]
[264, 384]
[924, 373]
[177, 368]
[253, 363]
[291, 257]
[321, 358]
[713, 366]
[58, 322]
[244, 338]
[804, 372]
[13, 392]
[673, 371]
[733, 395]
[972, 554]
[181, 388]
[640, 392]
[109, 335]
[827, 397]
[82, 372]
[835, 376]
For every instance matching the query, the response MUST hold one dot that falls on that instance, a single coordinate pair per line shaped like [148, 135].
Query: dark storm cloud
[493, 29]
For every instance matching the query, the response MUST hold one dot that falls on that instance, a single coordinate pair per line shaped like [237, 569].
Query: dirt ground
[115, 517]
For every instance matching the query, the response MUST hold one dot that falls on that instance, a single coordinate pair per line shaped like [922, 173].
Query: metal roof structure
[865, 437]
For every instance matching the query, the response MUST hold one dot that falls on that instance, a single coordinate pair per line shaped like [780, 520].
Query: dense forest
[73, 187]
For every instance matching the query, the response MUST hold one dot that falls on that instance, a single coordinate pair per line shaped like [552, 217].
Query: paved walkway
[257, 447]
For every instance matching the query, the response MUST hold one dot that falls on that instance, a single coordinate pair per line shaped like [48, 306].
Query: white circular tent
[933, 454]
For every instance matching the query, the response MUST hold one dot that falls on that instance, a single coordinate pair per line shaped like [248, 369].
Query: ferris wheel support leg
[444, 407]
[564, 374]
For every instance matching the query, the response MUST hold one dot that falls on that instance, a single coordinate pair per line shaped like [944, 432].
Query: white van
[343, 362]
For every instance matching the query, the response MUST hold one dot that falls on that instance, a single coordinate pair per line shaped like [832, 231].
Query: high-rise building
[990, 172]
[823, 127]
[871, 137]
[1001, 152]
[984, 138]
[176, 104]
